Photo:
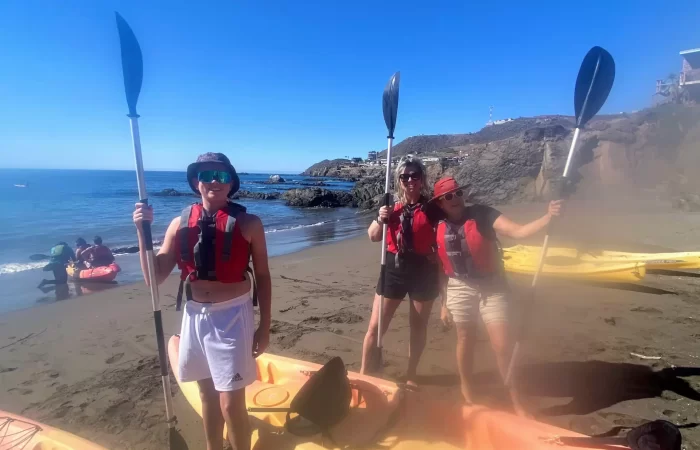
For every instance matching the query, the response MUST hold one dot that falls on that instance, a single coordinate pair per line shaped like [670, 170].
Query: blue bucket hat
[220, 158]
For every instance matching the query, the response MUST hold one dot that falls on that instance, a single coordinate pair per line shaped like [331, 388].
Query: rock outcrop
[342, 169]
[316, 197]
[276, 179]
[256, 195]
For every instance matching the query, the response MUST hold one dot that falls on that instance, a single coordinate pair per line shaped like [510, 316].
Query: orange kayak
[18, 432]
[423, 423]
[102, 273]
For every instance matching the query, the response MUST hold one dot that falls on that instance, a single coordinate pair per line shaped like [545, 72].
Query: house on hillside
[690, 74]
[686, 86]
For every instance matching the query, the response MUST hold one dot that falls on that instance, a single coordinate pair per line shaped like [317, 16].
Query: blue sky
[279, 85]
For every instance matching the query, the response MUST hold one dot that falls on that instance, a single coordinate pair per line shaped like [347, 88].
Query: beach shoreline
[88, 365]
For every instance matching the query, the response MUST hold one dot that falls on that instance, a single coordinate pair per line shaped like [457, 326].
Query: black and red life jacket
[466, 253]
[211, 248]
[410, 230]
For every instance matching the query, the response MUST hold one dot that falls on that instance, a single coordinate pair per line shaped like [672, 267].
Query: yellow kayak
[423, 422]
[670, 260]
[18, 432]
[580, 270]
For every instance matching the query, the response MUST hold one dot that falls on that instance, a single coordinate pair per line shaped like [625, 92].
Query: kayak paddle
[390, 107]
[132, 67]
[593, 84]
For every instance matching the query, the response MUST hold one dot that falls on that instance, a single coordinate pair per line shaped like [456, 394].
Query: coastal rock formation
[367, 193]
[256, 195]
[276, 179]
[342, 169]
[523, 160]
[240, 194]
[316, 197]
[516, 169]
[170, 192]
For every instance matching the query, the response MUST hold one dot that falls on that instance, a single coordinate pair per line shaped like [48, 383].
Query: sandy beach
[88, 364]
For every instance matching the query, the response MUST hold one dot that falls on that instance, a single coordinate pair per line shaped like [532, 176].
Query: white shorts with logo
[216, 341]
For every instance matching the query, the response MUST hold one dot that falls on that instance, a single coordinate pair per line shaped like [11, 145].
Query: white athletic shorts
[216, 341]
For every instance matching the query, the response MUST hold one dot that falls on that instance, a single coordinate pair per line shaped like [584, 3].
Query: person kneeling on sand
[212, 243]
[473, 281]
[61, 254]
[411, 265]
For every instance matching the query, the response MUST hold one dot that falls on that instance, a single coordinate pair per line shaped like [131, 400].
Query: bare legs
[370, 343]
[418, 319]
[224, 407]
[466, 340]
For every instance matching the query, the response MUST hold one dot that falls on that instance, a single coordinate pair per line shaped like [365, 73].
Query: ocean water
[42, 207]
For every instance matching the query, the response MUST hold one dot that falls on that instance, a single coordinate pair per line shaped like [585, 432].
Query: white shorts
[466, 301]
[216, 341]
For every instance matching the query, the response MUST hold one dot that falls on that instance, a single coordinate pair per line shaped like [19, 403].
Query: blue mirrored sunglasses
[209, 176]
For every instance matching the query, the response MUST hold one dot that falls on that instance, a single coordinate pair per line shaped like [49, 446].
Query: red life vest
[465, 252]
[410, 230]
[212, 248]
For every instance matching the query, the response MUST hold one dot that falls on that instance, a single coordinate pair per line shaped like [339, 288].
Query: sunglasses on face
[410, 176]
[449, 196]
[209, 176]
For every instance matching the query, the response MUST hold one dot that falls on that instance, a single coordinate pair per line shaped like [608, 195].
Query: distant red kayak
[103, 273]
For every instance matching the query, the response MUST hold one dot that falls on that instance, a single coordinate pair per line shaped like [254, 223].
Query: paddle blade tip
[593, 84]
[132, 63]
[390, 102]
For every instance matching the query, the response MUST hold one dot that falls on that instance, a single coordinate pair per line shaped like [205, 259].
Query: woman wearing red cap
[411, 266]
[474, 282]
[212, 242]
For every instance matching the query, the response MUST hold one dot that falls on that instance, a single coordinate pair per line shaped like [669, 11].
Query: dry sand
[88, 364]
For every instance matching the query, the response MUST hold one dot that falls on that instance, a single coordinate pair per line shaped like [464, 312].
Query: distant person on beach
[98, 255]
[411, 264]
[60, 255]
[81, 246]
[218, 341]
[473, 282]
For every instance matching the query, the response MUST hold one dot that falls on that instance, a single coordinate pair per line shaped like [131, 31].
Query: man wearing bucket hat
[473, 282]
[212, 242]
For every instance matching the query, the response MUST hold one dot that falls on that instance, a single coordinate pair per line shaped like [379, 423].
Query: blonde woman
[411, 264]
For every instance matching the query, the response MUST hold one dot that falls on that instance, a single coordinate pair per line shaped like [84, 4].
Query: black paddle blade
[593, 84]
[656, 435]
[132, 64]
[390, 103]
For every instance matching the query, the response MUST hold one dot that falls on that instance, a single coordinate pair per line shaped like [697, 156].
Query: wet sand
[88, 365]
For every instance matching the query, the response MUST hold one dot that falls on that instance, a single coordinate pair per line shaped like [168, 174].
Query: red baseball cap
[445, 186]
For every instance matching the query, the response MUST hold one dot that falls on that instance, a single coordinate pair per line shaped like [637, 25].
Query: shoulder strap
[233, 211]
[185, 251]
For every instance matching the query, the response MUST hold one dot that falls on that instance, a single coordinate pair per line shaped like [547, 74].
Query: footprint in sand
[139, 337]
[116, 344]
[7, 369]
[21, 391]
[114, 358]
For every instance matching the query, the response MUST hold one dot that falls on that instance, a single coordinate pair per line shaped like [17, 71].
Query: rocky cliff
[523, 160]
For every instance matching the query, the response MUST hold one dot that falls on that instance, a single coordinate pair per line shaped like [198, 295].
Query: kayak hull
[423, 421]
[630, 272]
[17, 432]
[103, 273]
[668, 260]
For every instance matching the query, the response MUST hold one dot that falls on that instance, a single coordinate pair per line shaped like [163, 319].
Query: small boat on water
[102, 273]
[20, 185]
